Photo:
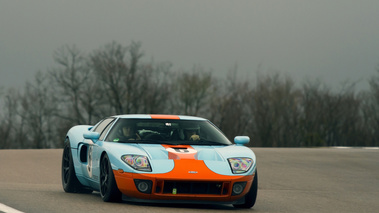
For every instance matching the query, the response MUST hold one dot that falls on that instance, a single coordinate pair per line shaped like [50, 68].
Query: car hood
[162, 157]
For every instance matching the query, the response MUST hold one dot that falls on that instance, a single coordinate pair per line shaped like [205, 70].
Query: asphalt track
[290, 180]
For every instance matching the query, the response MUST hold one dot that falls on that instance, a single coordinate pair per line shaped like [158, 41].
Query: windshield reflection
[173, 132]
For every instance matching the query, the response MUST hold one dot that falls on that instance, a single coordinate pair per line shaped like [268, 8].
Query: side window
[100, 128]
[105, 131]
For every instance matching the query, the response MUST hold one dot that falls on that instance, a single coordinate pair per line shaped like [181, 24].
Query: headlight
[240, 165]
[137, 162]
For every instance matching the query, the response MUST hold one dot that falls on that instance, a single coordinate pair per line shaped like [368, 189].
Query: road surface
[290, 180]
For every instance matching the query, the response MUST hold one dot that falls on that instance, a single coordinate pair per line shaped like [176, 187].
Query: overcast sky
[333, 40]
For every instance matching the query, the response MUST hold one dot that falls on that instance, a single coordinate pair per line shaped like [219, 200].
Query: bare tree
[313, 114]
[154, 90]
[8, 117]
[118, 73]
[70, 77]
[330, 118]
[351, 128]
[275, 109]
[37, 110]
[229, 108]
[193, 90]
[370, 112]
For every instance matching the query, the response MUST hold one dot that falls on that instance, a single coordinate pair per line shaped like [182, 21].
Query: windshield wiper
[207, 142]
[155, 142]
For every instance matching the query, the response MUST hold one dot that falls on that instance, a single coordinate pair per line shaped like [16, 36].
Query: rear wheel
[108, 187]
[70, 182]
[251, 196]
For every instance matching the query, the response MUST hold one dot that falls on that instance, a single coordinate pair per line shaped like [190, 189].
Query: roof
[160, 116]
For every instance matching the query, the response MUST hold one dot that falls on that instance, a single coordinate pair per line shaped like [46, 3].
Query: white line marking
[371, 148]
[352, 147]
[7, 209]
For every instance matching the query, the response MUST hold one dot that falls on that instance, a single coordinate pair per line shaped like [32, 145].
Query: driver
[128, 133]
[191, 134]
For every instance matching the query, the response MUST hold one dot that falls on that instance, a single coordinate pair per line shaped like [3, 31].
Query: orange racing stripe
[177, 152]
[174, 117]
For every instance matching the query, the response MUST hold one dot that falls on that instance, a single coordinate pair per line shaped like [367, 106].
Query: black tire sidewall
[69, 185]
[112, 194]
[251, 196]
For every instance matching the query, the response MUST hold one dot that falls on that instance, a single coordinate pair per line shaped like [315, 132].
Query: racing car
[159, 158]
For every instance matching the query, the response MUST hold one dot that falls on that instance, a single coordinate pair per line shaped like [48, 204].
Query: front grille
[181, 187]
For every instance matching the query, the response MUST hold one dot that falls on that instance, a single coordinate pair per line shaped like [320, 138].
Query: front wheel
[70, 182]
[108, 187]
[251, 196]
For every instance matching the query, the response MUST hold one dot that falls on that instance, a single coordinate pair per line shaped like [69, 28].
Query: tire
[70, 182]
[251, 196]
[108, 187]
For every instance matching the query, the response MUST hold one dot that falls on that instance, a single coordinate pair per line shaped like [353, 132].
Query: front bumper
[189, 181]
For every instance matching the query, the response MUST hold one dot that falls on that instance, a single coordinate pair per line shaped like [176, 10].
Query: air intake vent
[177, 187]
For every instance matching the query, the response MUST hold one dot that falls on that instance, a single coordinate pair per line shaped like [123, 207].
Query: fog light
[144, 186]
[238, 188]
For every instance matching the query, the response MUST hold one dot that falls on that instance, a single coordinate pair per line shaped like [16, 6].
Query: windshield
[162, 131]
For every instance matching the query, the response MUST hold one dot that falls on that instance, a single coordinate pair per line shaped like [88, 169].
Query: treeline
[271, 109]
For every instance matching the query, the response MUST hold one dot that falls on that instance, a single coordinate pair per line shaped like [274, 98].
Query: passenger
[128, 133]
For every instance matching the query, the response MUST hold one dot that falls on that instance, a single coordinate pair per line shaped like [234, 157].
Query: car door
[89, 151]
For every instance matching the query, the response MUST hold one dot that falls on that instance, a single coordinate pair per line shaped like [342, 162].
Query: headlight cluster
[240, 165]
[137, 162]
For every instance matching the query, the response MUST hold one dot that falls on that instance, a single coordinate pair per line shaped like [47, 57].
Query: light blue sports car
[159, 158]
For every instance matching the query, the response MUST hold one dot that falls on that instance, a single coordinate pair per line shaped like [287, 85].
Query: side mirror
[94, 136]
[241, 140]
